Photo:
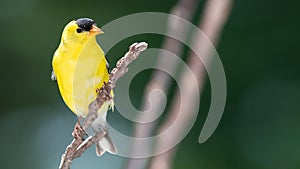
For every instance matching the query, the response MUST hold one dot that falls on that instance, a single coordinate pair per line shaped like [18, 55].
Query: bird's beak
[95, 30]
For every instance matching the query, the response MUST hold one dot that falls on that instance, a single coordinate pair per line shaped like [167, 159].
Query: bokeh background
[258, 47]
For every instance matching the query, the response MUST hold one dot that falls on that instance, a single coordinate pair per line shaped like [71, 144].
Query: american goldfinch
[80, 68]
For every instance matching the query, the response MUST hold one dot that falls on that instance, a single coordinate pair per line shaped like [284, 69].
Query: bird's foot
[78, 132]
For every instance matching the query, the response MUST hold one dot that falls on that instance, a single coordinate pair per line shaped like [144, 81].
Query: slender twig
[78, 146]
[215, 15]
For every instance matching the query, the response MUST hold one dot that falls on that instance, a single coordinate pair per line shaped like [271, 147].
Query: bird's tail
[105, 144]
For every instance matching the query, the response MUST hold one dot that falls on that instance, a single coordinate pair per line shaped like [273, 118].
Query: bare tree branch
[215, 15]
[78, 146]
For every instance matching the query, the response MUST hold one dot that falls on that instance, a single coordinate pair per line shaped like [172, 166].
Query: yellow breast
[80, 70]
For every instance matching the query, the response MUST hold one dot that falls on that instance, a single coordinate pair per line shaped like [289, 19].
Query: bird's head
[80, 30]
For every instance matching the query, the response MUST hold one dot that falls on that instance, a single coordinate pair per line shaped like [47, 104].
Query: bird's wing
[53, 76]
[107, 66]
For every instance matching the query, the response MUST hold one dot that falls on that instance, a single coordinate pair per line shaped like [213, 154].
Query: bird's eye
[79, 30]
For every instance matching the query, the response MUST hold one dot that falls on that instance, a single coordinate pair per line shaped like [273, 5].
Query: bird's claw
[78, 132]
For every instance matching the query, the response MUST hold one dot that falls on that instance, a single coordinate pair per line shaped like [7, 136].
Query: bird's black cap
[85, 24]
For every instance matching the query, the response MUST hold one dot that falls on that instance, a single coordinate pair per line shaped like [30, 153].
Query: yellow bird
[80, 68]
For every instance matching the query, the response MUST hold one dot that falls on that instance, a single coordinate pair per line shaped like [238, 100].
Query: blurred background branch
[160, 80]
[216, 13]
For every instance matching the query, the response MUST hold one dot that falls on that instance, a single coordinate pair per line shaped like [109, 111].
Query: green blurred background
[258, 47]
